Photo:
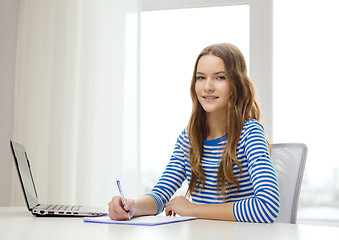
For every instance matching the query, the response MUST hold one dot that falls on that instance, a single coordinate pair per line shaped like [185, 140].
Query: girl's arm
[145, 206]
[183, 207]
[173, 176]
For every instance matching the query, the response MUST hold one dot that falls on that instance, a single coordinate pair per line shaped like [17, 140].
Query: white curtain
[76, 98]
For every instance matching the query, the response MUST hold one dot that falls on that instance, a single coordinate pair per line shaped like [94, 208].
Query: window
[305, 93]
[170, 42]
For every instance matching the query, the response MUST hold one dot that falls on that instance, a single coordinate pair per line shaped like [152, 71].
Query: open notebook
[142, 221]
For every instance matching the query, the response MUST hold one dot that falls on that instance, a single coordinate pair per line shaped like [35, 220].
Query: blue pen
[123, 197]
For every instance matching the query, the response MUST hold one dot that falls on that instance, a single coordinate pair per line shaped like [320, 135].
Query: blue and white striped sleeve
[172, 178]
[264, 206]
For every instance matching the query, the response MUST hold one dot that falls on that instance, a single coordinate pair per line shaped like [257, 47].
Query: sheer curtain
[76, 98]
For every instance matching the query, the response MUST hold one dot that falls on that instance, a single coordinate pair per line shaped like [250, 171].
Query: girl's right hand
[118, 211]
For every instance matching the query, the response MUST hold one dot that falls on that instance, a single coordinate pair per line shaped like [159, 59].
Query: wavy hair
[241, 106]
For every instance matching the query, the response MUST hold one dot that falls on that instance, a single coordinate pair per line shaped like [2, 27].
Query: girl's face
[211, 86]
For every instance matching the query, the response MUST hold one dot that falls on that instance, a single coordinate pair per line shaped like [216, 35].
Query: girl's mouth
[210, 98]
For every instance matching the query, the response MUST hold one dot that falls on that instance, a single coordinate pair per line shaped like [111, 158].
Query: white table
[18, 223]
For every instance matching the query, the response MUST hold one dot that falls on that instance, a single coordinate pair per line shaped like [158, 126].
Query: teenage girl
[222, 153]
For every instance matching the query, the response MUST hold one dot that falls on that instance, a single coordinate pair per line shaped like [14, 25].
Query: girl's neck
[216, 127]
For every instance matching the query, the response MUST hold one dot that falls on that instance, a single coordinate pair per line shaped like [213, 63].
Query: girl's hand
[117, 211]
[179, 205]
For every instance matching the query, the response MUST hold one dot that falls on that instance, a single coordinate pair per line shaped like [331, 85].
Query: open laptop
[34, 206]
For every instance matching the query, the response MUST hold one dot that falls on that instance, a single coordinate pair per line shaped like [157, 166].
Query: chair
[289, 162]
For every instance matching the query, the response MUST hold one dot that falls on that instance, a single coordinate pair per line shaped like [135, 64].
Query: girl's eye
[221, 77]
[199, 78]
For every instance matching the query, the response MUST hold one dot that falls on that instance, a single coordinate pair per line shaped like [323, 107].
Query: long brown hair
[241, 106]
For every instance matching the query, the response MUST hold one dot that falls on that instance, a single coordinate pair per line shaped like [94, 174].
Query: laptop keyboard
[63, 207]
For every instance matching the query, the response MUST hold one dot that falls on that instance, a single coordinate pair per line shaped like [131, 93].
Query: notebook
[34, 206]
[141, 221]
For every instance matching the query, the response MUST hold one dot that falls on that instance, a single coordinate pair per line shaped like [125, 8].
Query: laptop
[34, 206]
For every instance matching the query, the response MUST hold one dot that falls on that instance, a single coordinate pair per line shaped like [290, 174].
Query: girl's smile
[210, 98]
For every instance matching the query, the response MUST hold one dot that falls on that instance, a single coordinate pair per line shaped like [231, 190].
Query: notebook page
[143, 221]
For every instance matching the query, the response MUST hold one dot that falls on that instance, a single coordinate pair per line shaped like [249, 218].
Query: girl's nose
[209, 86]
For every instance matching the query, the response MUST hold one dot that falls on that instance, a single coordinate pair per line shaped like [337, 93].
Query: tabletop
[18, 223]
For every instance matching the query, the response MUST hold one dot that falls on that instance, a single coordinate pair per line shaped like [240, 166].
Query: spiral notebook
[141, 221]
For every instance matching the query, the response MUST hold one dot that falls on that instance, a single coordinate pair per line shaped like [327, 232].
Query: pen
[123, 197]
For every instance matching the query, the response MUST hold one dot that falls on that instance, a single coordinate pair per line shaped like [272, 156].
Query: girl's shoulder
[183, 137]
[250, 125]
[184, 132]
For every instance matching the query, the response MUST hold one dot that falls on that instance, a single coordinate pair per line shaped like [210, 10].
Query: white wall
[8, 36]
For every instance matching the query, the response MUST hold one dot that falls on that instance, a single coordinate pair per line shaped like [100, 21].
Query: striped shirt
[258, 197]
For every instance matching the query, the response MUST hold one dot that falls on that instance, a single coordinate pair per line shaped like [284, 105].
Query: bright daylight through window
[170, 42]
[305, 98]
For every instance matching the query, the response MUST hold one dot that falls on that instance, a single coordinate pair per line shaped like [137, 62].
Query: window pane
[305, 93]
[170, 42]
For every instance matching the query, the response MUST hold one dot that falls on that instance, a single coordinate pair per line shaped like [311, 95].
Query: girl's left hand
[179, 205]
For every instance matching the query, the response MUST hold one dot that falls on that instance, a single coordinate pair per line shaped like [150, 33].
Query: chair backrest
[289, 162]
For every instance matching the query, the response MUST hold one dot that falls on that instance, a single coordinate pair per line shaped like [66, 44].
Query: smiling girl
[222, 153]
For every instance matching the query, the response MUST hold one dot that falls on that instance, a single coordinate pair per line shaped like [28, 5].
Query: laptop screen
[25, 175]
